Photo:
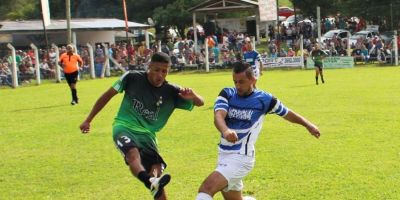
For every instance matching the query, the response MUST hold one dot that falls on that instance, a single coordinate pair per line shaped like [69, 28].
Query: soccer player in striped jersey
[252, 57]
[238, 115]
[148, 102]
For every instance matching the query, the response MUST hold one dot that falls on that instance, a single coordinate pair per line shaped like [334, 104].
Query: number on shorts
[126, 140]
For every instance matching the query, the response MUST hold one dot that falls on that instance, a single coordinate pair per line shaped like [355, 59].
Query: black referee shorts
[71, 78]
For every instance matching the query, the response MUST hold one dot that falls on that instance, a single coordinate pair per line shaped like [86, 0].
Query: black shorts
[125, 140]
[319, 66]
[71, 78]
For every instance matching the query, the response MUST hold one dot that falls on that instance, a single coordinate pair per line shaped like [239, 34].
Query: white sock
[203, 196]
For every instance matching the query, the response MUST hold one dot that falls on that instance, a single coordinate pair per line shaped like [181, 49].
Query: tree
[175, 14]
[382, 12]
[376, 12]
[140, 10]
[309, 7]
[18, 10]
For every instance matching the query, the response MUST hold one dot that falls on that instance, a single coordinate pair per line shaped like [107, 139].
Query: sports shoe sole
[162, 183]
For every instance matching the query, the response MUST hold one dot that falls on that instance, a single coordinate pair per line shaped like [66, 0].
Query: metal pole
[14, 66]
[396, 49]
[68, 14]
[295, 13]
[348, 45]
[58, 68]
[258, 26]
[146, 34]
[207, 61]
[302, 50]
[106, 63]
[37, 67]
[277, 22]
[91, 55]
[195, 33]
[44, 29]
[126, 30]
[74, 41]
[319, 23]
[126, 20]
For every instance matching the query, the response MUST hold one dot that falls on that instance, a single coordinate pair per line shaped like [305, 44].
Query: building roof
[211, 6]
[61, 25]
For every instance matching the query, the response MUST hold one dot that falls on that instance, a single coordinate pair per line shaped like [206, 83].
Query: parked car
[366, 35]
[291, 19]
[340, 33]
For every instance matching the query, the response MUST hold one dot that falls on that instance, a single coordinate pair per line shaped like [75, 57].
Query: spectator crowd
[224, 47]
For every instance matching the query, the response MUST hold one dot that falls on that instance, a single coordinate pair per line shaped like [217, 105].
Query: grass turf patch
[44, 156]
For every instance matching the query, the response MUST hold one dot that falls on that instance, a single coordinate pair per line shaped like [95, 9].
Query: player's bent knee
[207, 188]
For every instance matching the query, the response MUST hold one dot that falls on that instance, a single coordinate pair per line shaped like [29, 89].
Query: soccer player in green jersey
[148, 102]
[318, 55]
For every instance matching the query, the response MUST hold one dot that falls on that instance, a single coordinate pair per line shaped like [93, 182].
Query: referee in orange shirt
[71, 62]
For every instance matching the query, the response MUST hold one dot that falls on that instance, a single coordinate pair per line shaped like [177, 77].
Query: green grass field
[44, 155]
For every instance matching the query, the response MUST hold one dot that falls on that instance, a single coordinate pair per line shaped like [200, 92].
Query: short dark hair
[239, 67]
[161, 57]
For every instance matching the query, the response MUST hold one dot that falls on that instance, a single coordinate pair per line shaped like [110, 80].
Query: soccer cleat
[73, 102]
[158, 184]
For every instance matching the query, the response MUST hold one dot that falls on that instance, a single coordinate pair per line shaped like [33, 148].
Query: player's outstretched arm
[100, 103]
[220, 124]
[188, 93]
[298, 119]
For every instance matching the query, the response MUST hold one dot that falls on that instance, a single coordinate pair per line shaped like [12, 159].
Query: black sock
[74, 96]
[322, 79]
[145, 178]
[316, 79]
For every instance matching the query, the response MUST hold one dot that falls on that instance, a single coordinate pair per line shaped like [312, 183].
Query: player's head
[243, 78]
[70, 48]
[161, 57]
[158, 68]
[248, 44]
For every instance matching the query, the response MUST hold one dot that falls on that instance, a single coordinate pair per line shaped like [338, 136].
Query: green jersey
[317, 56]
[146, 108]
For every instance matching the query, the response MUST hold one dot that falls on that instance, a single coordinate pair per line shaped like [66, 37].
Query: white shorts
[256, 71]
[234, 167]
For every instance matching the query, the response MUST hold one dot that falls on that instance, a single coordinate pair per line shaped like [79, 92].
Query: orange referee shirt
[70, 62]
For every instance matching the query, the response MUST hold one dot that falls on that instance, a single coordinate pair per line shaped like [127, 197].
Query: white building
[90, 30]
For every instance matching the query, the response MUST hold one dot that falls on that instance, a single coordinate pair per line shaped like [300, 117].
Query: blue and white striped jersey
[245, 115]
[254, 59]
[251, 57]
